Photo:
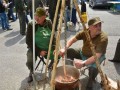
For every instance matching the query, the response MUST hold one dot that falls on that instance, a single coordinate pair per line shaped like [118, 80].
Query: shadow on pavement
[22, 41]
[12, 34]
[117, 66]
[25, 85]
[30, 86]
[13, 40]
[83, 81]
[1, 31]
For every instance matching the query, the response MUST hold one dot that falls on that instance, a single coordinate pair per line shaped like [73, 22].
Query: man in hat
[52, 8]
[84, 57]
[38, 3]
[21, 10]
[3, 15]
[40, 51]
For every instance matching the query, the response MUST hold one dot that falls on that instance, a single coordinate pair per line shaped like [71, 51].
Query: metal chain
[65, 38]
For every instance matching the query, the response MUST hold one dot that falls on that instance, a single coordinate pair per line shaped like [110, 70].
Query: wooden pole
[52, 35]
[118, 84]
[57, 46]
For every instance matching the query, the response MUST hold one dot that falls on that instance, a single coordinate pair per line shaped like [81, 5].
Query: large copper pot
[71, 71]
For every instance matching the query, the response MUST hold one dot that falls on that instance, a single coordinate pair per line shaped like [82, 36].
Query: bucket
[84, 17]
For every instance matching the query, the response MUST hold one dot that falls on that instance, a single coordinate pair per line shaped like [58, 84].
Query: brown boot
[30, 78]
[93, 72]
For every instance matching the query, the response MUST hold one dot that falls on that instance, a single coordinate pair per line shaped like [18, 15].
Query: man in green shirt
[42, 26]
[84, 57]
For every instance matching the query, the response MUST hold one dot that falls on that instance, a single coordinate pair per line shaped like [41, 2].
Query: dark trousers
[10, 14]
[22, 21]
[74, 18]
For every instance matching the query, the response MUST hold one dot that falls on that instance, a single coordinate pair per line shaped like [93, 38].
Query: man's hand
[79, 63]
[43, 53]
[62, 52]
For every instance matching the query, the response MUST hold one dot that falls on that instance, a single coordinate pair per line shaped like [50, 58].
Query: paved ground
[14, 73]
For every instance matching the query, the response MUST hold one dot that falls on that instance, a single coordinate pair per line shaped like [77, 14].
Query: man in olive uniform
[83, 56]
[38, 3]
[40, 49]
[52, 8]
[20, 9]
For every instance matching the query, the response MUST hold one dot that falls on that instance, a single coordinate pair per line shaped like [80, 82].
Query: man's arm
[92, 59]
[69, 43]
[80, 63]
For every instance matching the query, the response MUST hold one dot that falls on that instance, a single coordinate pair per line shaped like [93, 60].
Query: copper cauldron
[71, 71]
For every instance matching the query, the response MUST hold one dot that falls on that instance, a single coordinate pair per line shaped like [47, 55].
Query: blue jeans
[101, 59]
[74, 18]
[67, 16]
[77, 53]
[10, 14]
[4, 20]
[22, 21]
[0, 22]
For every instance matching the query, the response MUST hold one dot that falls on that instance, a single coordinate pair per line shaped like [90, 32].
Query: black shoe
[30, 79]
[89, 88]
[89, 85]
[23, 34]
[10, 18]
[13, 20]
[4, 29]
[9, 29]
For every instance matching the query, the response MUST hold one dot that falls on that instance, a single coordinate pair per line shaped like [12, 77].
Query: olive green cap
[94, 21]
[40, 12]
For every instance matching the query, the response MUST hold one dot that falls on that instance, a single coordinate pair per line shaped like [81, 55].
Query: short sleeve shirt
[100, 43]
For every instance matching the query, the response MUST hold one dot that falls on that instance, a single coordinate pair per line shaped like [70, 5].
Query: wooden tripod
[105, 80]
